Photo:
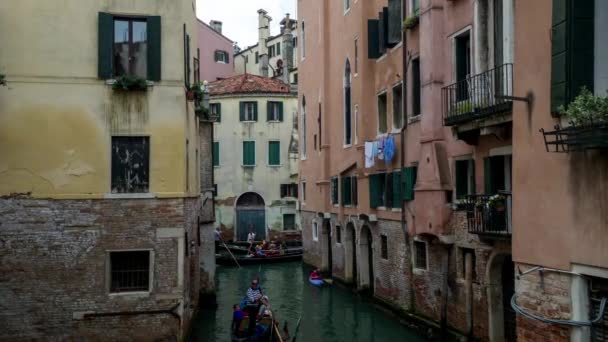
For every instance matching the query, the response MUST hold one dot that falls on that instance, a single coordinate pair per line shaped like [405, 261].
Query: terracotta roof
[247, 84]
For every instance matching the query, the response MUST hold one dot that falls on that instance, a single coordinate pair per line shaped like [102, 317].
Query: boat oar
[295, 333]
[228, 249]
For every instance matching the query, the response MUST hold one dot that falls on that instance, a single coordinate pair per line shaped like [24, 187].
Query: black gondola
[227, 260]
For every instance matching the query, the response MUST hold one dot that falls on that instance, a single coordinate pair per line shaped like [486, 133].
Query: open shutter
[241, 111]
[381, 33]
[354, 191]
[216, 154]
[487, 175]
[280, 111]
[394, 22]
[374, 191]
[105, 45]
[268, 111]
[373, 45]
[397, 196]
[409, 181]
[219, 112]
[154, 48]
[255, 111]
[559, 55]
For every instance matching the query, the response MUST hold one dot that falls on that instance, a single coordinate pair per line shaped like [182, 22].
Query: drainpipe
[468, 274]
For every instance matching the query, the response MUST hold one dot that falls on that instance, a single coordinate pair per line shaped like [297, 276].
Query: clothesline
[382, 148]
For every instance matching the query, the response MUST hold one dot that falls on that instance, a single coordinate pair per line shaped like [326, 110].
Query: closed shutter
[269, 111]
[334, 190]
[241, 111]
[255, 111]
[216, 154]
[409, 182]
[374, 191]
[248, 153]
[381, 33]
[154, 48]
[105, 45]
[397, 196]
[461, 178]
[227, 57]
[373, 45]
[394, 21]
[274, 153]
[219, 112]
[280, 111]
[216, 56]
[346, 191]
[355, 193]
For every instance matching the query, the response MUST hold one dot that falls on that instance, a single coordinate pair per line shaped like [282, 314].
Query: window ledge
[414, 118]
[248, 165]
[112, 81]
[249, 121]
[420, 271]
[274, 121]
[136, 294]
[396, 130]
[275, 166]
[347, 11]
[381, 58]
[130, 196]
[396, 210]
[347, 146]
[399, 45]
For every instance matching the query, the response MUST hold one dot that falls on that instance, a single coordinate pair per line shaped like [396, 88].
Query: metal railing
[489, 215]
[478, 96]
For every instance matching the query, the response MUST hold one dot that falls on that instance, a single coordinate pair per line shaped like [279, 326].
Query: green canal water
[330, 313]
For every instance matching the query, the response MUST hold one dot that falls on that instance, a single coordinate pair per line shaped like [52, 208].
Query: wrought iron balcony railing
[592, 136]
[478, 96]
[489, 215]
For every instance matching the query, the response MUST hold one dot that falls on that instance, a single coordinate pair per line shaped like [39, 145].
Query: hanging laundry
[375, 149]
[381, 143]
[369, 154]
[389, 149]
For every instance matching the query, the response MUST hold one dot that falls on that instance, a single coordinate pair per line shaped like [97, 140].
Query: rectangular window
[221, 57]
[416, 88]
[382, 124]
[338, 234]
[377, 190]
[274, 111]
[257, 57]
[464, 178]
[463, 255]
[289, 190]
[384, 247]
[349, 190]
[395, 22]
[130, 47]
[248, 153]
[248, 111]
[303, 191]
[346, 5]
[398, 106]
[130, 164]
[129, 271]
[278, 48]
[274, 153]
[271, 51]
[315, 231]
[216, 111]
[289, 221]
[463, 65]
[356, 56]
[216, 154]
[420, 256]
[334, 190]
[388, 190]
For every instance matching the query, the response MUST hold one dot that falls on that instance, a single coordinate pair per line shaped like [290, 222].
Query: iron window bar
[576, 138]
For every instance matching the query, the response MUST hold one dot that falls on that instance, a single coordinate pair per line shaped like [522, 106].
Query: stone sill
[130, 196]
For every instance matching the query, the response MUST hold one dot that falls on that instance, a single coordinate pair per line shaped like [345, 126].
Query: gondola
[227, 260]
[241, 249]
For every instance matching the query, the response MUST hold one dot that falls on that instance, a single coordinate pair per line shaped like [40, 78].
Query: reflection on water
[328, 314]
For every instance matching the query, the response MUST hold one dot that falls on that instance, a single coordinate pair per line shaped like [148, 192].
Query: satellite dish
[280, 63]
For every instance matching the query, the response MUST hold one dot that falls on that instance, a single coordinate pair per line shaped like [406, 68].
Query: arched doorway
[366, 259]
[350, 253]
[501, 274]
[250, 214]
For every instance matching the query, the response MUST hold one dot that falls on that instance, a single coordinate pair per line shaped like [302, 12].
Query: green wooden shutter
[354, 191]
[154, 48]
[219, 112]
[280, 111]
[269, 111]
[274, 153]
[255, 111]
[248, 153]
[397, 196]
[373, 45]
[487, 175]
[394, 22]
[461, 168]
[409, 181]
[241, 111]
[346, 191]
[105, 45]
[375, 192]
[216, 154]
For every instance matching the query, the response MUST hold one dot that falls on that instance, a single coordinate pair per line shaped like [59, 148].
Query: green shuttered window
[216, 111]
[274, 111]
[408, 178]
[248, 153]
[376, 190]
[274, 153]
[216, 154]
[248, 111]
[334, 190]
[397, 190]
[346, 191]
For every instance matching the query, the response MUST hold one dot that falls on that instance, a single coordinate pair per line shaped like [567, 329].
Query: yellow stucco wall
[57, 118]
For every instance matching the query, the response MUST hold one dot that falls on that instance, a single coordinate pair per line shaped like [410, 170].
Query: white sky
[240, 17]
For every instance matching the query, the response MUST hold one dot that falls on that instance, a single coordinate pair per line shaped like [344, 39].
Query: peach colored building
[215, 52]
[560, 219]
[429, 231]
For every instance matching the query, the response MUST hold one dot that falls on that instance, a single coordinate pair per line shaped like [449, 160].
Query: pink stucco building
[216, 52]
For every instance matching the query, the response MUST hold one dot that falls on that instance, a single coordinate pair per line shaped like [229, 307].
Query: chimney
[287, 48]
[263, 35]
[216, 26]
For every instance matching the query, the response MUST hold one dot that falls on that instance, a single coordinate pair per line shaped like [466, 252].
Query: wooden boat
[227, 260]
[267, 330]
[241, 249]
[316, 282]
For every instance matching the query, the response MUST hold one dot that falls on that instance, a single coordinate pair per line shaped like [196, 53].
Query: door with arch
[250, 215]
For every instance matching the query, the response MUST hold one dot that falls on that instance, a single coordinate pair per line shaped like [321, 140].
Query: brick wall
[312, 249]
[54, 259]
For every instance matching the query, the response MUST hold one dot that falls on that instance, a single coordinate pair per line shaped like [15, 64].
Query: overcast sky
[240, 17]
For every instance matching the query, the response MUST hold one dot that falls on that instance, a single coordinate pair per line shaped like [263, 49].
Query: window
[278, 48]
[248, 111]
[215, 190]
[347, 106]
[464, 174]
[420, 255]
[463, 256]
[315, 231]
[248, 153]
[216, 154]
[415, 7]
[295, 42]
[398, 106]
[356, 56]
[384, 247]
[382, 124]
[338, 234]
[295, 79]
[463, 65]
[395, 22]
[303, 48]
[334, 190]
[289, 221]
[408, 177]
[346, 5]
[416, 87]
[303, 191]
[274, 153]
[356, 119]
[349, 190]
[130, 47]
[221, 57]
[196, 62]
[274, 111]
[257, 57]
[216, 111]
[289, 190]
[303, 127]
[377, 183]
[129, 271]
[271, 52]
[130, 164]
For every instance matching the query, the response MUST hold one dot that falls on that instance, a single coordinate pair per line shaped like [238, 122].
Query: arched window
[303, 126]
[347, 106]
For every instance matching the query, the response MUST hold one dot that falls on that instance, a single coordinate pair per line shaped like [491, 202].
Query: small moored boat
[316, 282]
[227, 260]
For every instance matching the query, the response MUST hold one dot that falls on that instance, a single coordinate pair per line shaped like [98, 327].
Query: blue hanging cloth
[389, 149]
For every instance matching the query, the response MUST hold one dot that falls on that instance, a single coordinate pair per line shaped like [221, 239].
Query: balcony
[489, 215]
[478, 97]
[577, 138]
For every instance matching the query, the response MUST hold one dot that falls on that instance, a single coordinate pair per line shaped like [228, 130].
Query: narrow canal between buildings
[331, 313]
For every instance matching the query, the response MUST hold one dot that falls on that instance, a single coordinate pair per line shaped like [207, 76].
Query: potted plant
[586, 109]
[130, 83]
[411, 22]
[195, 91]
[497, 202]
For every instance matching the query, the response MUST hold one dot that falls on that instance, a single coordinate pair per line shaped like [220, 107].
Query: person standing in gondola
[254, 295]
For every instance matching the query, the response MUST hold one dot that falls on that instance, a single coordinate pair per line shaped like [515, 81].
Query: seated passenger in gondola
[237, 317]
[316, 274]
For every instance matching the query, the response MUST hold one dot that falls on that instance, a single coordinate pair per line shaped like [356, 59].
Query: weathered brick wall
[54, 259]
[337, 252]
[312, 249]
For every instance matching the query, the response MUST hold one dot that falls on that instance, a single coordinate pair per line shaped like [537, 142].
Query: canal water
[330, 313]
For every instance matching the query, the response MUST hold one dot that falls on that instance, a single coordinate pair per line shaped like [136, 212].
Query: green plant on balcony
[130, 83]
[411, 22]
[586, 109]
[497, 202]
[202, 111]
[2, 79]
[462, 107]
[195, 91]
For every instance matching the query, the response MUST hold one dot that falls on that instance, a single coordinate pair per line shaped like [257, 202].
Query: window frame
[108, 272]
[272, 142]
[130, 20]
[221, 57]
[243, 154]
[315, 231]
[418, 244]
[275, 111]
[294, 221]
[112, 167]
[249, 116]
[381, 94]
[398, 86]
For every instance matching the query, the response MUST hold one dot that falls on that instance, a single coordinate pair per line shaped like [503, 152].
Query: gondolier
[254, 294]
